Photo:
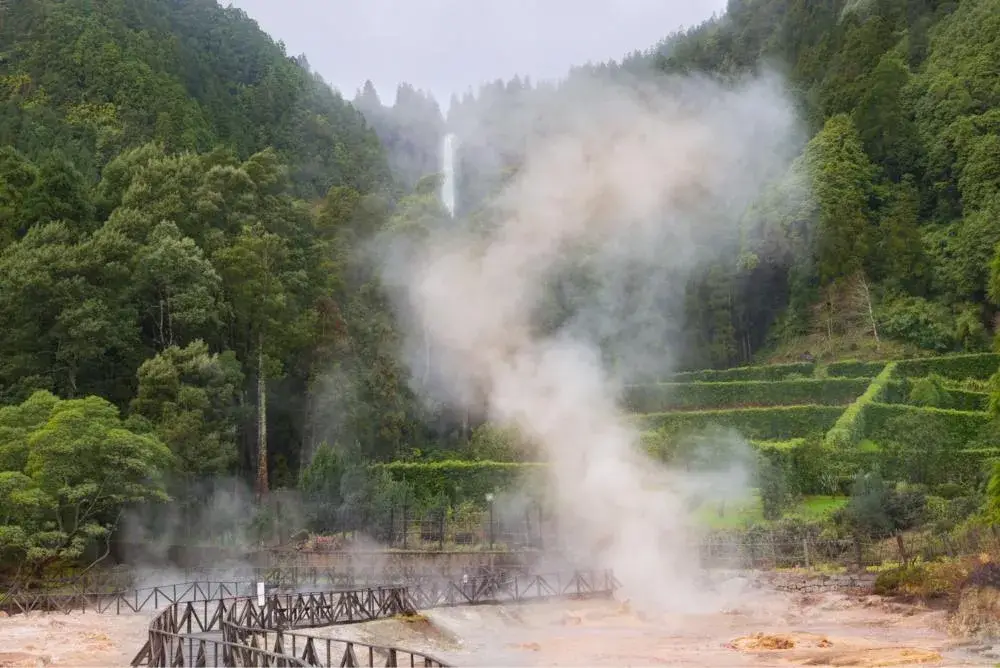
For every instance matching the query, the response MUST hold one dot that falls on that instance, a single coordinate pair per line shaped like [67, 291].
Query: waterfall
[448, 167]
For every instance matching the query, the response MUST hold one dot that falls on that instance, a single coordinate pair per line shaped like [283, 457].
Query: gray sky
[447, 46]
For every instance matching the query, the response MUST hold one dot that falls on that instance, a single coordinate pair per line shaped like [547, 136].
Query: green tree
[70, 467]
[190, 396]
[900, 248]
[842, 177]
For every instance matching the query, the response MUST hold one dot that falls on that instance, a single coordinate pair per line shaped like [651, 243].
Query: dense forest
[183, 204]
[900, 103]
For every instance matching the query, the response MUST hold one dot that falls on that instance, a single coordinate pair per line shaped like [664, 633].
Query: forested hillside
[180, 203]
[893, 254]
[183, 208]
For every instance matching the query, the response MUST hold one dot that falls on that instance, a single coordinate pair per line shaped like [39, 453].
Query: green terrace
[872, 414]
[920, 419]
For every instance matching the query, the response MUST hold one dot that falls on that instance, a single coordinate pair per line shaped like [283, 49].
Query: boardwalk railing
[115, 598]
[118, 602]
[244, 632]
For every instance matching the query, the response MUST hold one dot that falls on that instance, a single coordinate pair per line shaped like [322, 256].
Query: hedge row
[769, 372]
[855, 369]
[701, 395]
[850, 425]
[763, 424]
[458, 480]
[898, 392]
[970, 465]
[958, 367]
[957, 428]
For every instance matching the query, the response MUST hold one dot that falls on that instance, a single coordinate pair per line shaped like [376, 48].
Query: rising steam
[629, 174]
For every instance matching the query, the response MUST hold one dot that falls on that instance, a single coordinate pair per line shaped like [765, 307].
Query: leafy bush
[922, 580]
[957, 429]
[899, 391]
[925, 324]
[705, 395]
[319, 485]
[956, 367]
[929, 392]
[850, 426]
[498, 444]
[776, 495]
[459, 480]
[854, 369]
[778, 423]
[769, 372]
[876, 509]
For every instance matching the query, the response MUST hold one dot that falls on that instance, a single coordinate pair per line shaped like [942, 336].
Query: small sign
[260, 594]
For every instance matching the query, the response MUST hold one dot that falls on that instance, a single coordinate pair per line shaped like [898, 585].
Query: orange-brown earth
[762, 627]
[766, 628]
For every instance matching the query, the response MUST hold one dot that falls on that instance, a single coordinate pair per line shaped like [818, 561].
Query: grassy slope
[739, 515]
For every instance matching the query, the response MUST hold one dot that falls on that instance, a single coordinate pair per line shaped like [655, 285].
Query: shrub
[968, 467]
[957, 428]
[850, 427]
[498, 444]
[772, 482]
[769, 372]
[964, 400]
[923, 323]
[957, 367]
[876, 509]
[778, 423]
[922, 580]
[854, 369]
[899, 391]
[459, 480]
[705, 395]
[929, 392]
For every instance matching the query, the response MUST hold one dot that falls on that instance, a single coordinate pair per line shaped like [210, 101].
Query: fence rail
[114, 591]
[244, 632]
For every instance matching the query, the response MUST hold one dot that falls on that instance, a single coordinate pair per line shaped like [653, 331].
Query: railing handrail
[233, 624]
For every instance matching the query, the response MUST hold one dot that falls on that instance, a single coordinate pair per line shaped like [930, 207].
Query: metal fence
[118, 590]
[402, 527]
[772, 550]
[267, 632]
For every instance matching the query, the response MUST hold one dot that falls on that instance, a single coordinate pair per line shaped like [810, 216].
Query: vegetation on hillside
[184, 294]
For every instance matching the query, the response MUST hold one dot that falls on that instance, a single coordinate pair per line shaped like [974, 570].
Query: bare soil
[759, 627]
[76, 639]
[767, 628]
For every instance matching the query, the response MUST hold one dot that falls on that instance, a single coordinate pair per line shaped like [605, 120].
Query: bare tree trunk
[866, 293]
[262, 486]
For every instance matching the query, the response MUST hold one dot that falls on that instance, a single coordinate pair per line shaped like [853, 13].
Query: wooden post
[444, 513]
[805, 549]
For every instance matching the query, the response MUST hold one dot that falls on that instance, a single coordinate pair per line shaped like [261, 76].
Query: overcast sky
[446, 46]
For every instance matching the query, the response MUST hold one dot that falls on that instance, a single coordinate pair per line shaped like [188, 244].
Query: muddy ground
[76, 639]
[766, 627]
[759, 627]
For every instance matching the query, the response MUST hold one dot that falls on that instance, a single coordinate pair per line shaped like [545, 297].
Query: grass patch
[730, 515]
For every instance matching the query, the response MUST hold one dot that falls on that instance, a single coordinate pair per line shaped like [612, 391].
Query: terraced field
[854, 407]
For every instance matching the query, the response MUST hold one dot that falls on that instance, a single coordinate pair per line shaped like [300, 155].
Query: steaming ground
[822, 629]
[826, 629]
[77, 639]
[637, 184]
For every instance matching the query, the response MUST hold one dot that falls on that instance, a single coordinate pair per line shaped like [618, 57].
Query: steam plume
[632, 174]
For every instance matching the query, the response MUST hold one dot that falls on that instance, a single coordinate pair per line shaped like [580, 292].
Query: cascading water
[448, 168]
